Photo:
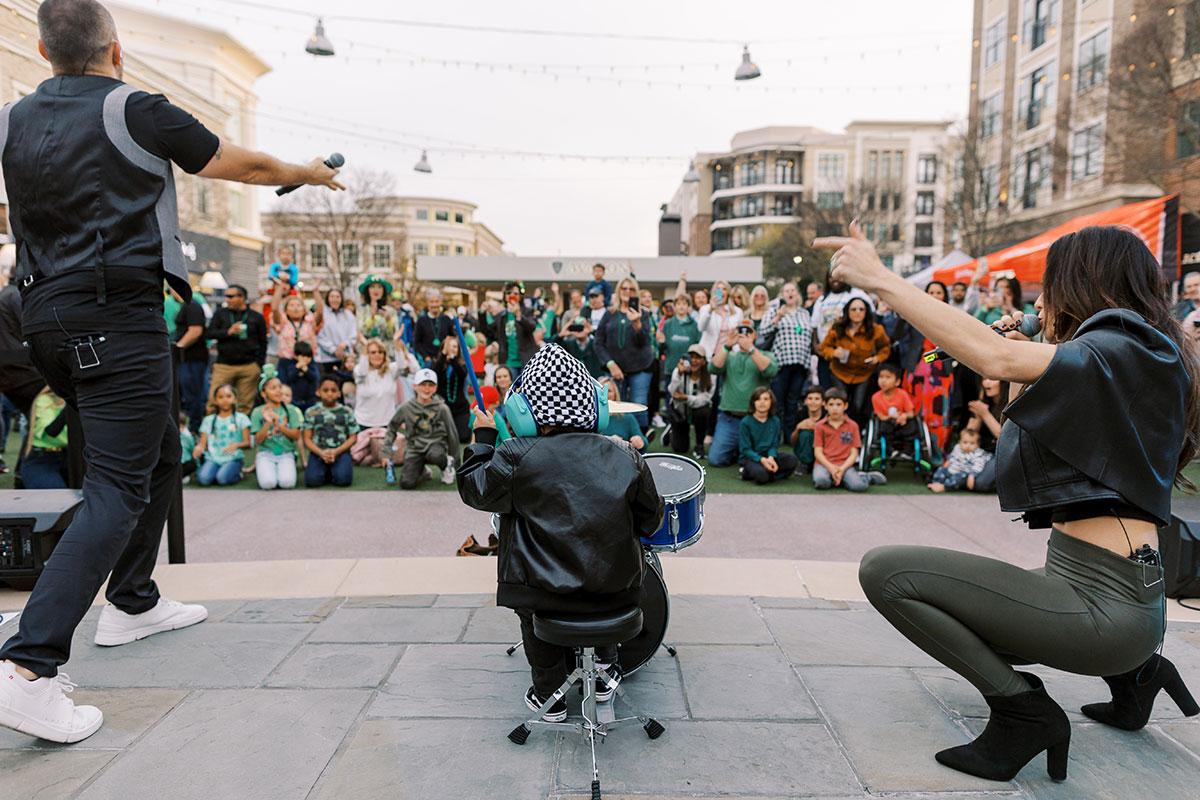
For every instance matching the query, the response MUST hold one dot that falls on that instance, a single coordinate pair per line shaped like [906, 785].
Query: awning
[1155, 221]
[948, 261]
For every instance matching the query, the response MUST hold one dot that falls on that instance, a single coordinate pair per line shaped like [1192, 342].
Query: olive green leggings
[1089, 611]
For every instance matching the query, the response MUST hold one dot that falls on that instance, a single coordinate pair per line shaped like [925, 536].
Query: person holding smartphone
[513, 330]
[376, 319]
[623, 344]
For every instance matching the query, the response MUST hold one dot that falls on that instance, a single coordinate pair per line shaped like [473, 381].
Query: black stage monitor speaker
[1179, 544]
[31, 523]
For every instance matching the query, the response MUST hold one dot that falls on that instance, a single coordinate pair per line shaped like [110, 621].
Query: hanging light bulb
[423, 164]
[693, 175]
[318, 44]
[747, 70]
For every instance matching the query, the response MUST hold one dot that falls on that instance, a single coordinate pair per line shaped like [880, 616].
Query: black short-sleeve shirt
[134, 295]
[191, 315]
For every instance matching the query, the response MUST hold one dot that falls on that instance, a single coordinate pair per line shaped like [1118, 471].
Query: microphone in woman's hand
[1030, 326]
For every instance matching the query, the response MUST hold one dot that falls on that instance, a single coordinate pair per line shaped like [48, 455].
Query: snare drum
[680, 481]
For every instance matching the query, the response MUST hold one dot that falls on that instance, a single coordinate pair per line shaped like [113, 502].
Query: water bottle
[390, 472]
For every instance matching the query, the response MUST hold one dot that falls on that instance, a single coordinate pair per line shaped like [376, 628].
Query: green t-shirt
[742, 377]
[46, 408]
[330, 427]
[188, 443]
[222, 432]
[623, 425]
[277, 444]
[510, 333]
[171, 308]
[680, 335]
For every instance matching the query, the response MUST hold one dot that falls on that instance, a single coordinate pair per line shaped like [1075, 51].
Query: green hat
[373, 278]
[269, 371]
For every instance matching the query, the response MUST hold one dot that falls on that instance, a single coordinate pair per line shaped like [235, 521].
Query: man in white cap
[430, 435]
[573, 507]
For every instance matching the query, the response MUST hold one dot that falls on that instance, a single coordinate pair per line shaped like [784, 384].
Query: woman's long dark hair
[843, 323]
[1103, 267]
[701, 377]
[945, 291]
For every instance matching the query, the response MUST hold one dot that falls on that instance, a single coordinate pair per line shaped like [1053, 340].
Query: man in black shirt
[193, 362]
[241, 336]
[87, 161]
[432, 328]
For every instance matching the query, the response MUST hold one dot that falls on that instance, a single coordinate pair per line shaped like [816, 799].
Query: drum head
[656, 611]
[675, 476]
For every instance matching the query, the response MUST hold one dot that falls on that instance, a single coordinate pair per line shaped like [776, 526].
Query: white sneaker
[116, 627]
[448, 472]
[41, 708]
[657, 422]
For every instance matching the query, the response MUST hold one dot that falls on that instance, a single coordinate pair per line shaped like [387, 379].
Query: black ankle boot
[1133, 695]
[1021, 726]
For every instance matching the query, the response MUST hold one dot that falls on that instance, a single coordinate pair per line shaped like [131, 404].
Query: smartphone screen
[633, 303]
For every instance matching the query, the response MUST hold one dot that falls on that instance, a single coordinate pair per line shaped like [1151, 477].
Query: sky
[541, 99]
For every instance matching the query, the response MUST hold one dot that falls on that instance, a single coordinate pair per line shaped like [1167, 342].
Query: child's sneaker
[41, 708]
[556, 712]
[448, 472]
[876, 478]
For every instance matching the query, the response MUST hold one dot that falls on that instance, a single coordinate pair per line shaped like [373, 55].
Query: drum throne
[586, 632]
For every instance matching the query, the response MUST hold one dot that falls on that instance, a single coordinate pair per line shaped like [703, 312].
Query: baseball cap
[595, 290]
[745, 327]
[425, 376]
[699, 350]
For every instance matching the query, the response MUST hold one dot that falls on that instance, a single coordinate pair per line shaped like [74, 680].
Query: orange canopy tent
[1156, 221]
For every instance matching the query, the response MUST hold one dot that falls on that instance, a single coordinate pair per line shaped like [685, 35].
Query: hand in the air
[855, 261]
[483, 419]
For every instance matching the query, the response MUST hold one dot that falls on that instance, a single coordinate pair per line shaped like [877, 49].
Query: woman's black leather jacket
[1105, 421]
[573, 507]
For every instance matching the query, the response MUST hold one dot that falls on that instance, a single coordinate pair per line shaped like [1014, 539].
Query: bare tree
[367, 210]
[977, 205]
[787, 251]
[1153, 123]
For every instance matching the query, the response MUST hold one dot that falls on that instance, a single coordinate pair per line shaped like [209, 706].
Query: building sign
[701, 270]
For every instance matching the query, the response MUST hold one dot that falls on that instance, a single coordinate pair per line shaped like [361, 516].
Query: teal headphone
[519, 414]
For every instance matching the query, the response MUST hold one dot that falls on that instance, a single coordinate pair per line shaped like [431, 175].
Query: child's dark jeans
[951, 480]
[339, 473]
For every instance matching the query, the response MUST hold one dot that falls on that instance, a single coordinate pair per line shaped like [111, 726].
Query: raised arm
[964, 338]
[240, 165]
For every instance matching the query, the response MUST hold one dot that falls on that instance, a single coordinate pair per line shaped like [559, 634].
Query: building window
[1086, 151]
[989, 115]
[923, 234]
[350, 255]
[381, 256]
[898, 164]
[785, 171]
[785, 205]
[895, 233]
[831, 165]
[458, 217]
[442, 250]
[1027, 177]
[1191, 28]
[994, 44]
[458, 249]
[989, 187]
[927, 169]
[925, 204]
[1036, 96]
[872, 164]
[883, 201]
[1038, 18]
[882, 233]
[1093, 61]
[888, 260]
[441, 215]
[423, 213]
[896, 201]
[237, 210]
[869, 230]
[885, 164]
[722, 178]
[830, 200]
[829, 229]
[318, 255]
[420, 249]
[1187, 136]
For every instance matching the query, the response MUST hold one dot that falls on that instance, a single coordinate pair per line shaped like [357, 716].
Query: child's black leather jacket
[573, 508]
[1105, 421]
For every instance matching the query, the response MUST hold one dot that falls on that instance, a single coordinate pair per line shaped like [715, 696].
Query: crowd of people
[295, 383]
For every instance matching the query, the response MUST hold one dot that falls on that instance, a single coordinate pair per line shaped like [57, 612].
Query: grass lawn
[725, 480]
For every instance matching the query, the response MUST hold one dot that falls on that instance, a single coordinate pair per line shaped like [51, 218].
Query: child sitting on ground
[430, 434]
[836, 442]
[573, 507]
[966, 460]
[224, 434]
[802, 435]
[895, 410]
[276, 427]
[304, 378]
[329, 433]
[759, 435]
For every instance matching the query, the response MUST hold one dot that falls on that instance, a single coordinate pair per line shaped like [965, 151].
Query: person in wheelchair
[573, 506]
[895, 414]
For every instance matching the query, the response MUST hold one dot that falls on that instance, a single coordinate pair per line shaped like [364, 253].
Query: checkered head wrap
[559, 389]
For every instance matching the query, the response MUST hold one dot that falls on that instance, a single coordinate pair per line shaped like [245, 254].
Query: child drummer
[573, 508]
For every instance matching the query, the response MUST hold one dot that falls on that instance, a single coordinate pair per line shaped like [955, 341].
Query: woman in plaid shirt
[792, 348]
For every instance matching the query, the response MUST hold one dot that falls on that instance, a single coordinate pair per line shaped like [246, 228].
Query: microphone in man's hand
[335, 161]
[1030, 326]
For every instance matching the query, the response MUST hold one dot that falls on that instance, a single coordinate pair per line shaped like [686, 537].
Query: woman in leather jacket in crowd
[1108, 417]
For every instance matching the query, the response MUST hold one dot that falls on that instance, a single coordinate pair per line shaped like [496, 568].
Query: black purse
[765, 341]
[1179, 544]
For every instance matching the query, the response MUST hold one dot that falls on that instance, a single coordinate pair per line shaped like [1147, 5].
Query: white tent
[952, 259]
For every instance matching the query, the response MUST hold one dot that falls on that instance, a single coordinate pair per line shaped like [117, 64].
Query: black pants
[755, 471]
[899, 437]
[132, 454]
[550, 664]
[681, 428]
